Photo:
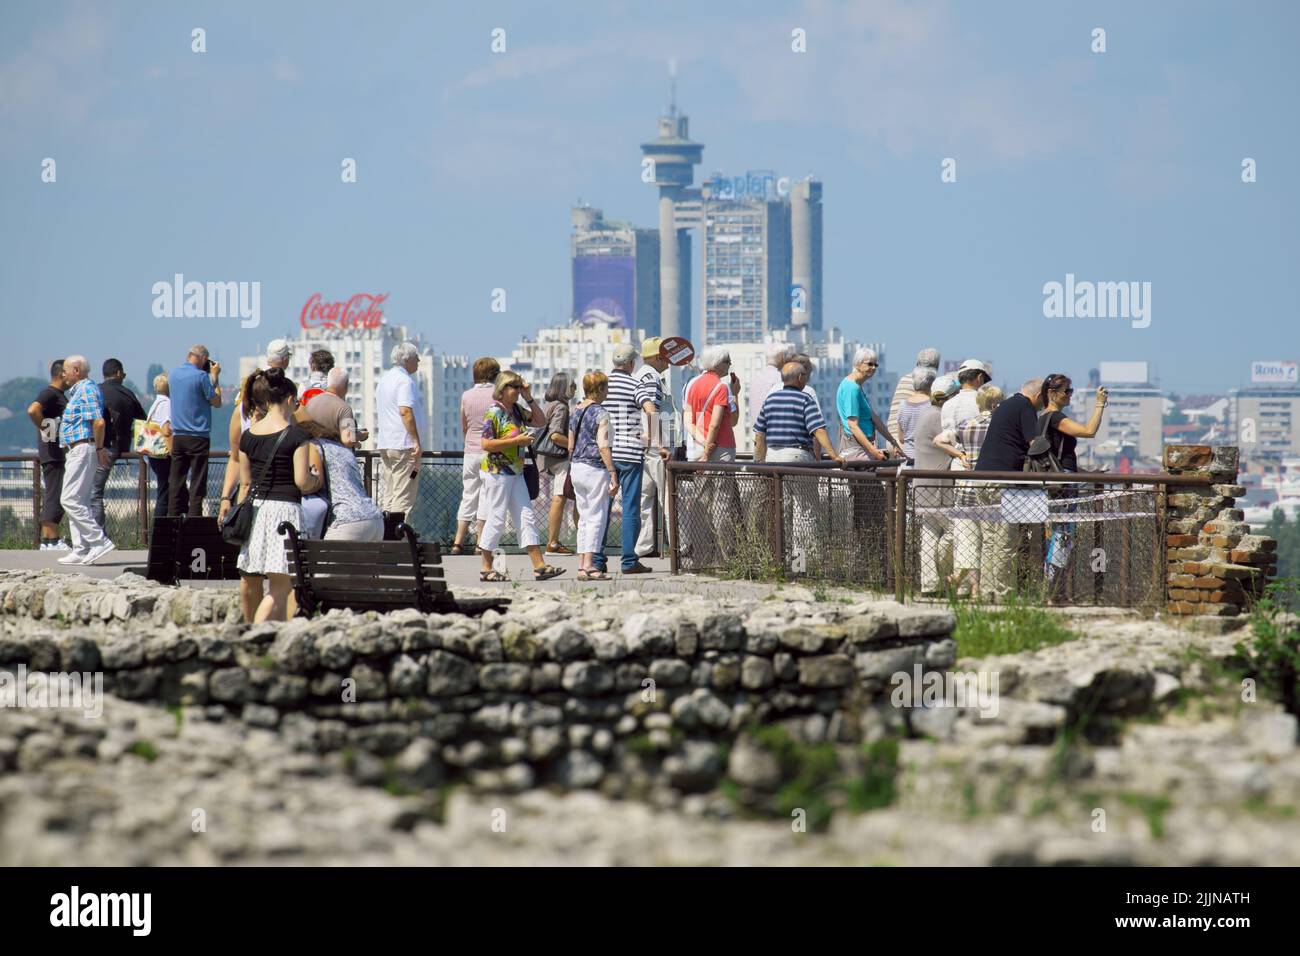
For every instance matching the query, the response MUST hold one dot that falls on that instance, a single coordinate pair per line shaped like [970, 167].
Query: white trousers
[652, 484]
[591, 487]
[803, 497]
[471, 480]
[78, 484]
[371, 529]
[505, 497]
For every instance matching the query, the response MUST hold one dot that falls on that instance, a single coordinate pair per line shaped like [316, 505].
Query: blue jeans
[629, 486]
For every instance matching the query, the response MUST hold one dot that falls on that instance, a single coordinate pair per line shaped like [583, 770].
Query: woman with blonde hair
[505, 490]
[161, 412]
[591, 468]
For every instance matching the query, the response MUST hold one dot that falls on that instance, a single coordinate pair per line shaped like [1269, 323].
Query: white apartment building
[1264, 420]
[440, 379]
[1134, 416]
[575, 349]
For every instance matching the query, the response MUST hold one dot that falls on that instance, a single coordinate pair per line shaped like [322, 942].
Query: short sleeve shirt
[586, 423]
[851, 402]
[331, 413]
[499, 423]
[707, 392]
[397, 390]
[473, 404]
[52, 402]
[279, 484]
[191, 392]
[85, 404]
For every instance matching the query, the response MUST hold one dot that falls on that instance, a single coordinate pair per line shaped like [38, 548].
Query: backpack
[1040, 456]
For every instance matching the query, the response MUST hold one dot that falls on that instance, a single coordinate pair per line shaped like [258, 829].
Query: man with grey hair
[401, 423]
[926, 357]
[769, 379]
[81, 433]
[629, 427]
[711, 412]
[195, 389]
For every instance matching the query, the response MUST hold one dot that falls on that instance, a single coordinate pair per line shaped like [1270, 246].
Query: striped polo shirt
[626, 418]
[788, 419]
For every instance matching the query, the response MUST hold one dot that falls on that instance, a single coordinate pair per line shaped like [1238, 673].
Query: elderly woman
[553, 453]
[710, 412]
[505, 491]
[161, 412]
[860, 426]
[909, 411]
[933, 495]
[968, 533]
[595, 480]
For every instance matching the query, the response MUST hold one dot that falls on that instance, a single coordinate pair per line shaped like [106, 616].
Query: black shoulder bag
[238, 526]
[1040, 456]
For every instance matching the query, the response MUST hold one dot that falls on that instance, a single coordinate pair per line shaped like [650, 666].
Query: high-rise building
[615, 272]
[1264, 420]
[670, 162]
[762, 256]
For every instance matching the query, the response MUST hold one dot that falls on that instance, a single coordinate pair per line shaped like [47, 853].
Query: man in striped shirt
[790, 422]
[788, 425]
[632, 404]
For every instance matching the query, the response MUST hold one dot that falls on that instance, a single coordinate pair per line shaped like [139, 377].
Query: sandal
[597, 575]
[457, 549]
[546, 572]
[492, 576]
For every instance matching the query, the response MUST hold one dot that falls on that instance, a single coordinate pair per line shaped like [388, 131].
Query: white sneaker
[60, 545]
[99, 551]
[74, 557]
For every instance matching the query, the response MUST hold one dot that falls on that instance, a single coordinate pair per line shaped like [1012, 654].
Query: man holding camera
[195, 391]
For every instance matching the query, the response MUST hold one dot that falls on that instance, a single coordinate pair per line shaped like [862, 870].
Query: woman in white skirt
[591, 467]
[505, 490]
[277, 465]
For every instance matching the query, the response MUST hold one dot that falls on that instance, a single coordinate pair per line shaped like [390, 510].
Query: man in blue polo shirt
[195, 391]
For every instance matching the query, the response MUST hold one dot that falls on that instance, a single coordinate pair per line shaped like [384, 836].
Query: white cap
[277, 349]
[974, 365]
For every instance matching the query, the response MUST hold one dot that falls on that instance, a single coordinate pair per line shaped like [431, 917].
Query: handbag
[238, 526]
[1040, 456]
[542, 444]
[147, 438]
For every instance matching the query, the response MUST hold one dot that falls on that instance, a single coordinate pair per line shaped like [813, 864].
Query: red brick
[1181, 540]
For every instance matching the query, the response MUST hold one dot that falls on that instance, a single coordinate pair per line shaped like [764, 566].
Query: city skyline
[1123, 166]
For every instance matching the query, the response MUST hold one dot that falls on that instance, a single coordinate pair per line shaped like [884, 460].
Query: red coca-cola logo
[362, 311]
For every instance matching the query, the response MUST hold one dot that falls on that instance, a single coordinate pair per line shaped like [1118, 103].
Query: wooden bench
[183, 548]
[373, 576]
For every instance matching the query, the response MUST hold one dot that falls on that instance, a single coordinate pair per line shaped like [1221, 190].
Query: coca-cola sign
[362, 311]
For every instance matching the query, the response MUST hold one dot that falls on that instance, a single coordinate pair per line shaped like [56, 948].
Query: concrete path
[461, 572]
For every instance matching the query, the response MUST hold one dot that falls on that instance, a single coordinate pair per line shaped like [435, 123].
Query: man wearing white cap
[962, 407]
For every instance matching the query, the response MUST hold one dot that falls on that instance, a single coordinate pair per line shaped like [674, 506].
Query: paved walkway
[460, 572]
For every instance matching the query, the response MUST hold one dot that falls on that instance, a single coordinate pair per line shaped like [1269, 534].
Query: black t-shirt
[52, 402]
[1063, 445]
[278, 485]
[121, 408]
[1012, 427]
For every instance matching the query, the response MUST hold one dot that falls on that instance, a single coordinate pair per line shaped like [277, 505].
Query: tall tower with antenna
[673, 158]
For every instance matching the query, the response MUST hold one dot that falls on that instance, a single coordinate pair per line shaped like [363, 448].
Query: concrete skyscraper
[670, 162]
[806, 254]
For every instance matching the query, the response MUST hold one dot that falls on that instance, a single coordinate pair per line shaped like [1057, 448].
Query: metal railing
[131, 489]
[1086, 538]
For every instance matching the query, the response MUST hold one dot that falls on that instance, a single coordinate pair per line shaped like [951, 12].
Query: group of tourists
[292, 452]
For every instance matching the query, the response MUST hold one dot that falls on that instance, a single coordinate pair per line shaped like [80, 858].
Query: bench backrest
[365, 575]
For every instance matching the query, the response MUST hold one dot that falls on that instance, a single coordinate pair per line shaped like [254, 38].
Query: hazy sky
[225, 166]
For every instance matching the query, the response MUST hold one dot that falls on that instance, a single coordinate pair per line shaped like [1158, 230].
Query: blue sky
[1122, 166]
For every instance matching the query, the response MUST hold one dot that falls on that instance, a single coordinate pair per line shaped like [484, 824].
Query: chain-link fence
[1050, 539]
[1047, 542]
[765, 521]
[131, 490]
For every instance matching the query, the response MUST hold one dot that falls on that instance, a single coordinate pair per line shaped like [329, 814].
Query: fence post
[370, 475]
[36, 502]
[890, 550]
[900, 536]
[670, 493]
[1098, 541]
[778, 522]
[142, 491]
[1160, 557]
